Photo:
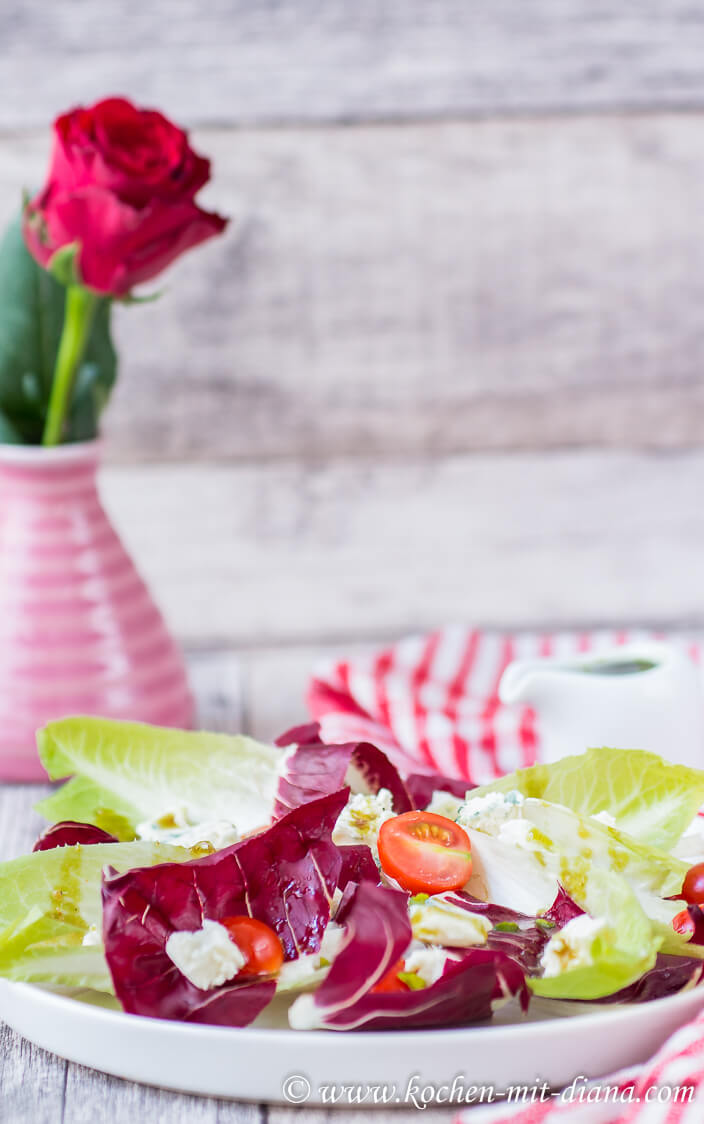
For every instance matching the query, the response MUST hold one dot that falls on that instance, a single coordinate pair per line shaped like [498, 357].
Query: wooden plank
[20, 825]
[216, 680]
[277, 679]
[31, 1080]
[92, 1096]
[263, 554]
[299, 60]
[424, 289]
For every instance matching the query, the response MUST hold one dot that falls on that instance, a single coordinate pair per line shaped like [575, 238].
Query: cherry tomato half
[258, 943]
[391, 982]
[693, 885]
[425, 853]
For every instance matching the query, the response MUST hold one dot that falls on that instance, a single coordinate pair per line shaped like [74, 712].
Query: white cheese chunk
[207, 957]
[445, 804]
[572, 946]
[361, 818]
[437, 921]
[427, 963]
[604, 817]
[177, 827]
[690, 847]
[489, 812]
[520, 833]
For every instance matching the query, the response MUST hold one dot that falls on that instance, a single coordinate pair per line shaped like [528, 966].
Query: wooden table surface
[39, 1088]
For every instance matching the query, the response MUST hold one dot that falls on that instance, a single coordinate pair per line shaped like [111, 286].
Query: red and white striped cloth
[669, 1089]
[431, 702]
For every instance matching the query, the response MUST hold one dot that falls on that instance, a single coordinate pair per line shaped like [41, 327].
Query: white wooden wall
[446, 363]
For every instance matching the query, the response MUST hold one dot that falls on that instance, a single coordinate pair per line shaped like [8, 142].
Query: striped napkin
[431, 703]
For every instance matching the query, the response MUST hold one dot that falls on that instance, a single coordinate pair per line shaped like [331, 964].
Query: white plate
[254, 1063]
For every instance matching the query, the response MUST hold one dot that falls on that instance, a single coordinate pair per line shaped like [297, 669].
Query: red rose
[121, 184]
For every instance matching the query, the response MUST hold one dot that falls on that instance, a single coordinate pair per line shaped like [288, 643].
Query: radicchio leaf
[378, 934]
[68, 832]
[285, 876]
[357, 865]
[519, 937]
[562, 910]
[421, 787]
[696, 918]
[669, 975]
[306, 734]
[312, 769]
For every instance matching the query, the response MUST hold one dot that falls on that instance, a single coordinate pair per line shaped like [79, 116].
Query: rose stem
[78, 320]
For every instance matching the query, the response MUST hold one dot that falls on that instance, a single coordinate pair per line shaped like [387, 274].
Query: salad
[203, 877]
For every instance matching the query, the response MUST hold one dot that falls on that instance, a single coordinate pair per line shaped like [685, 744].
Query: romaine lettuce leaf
[50, 899]
[563, 847]
[127, 773]
[652, 800]
[40, 949]
[618, 954]
[584, 843]
[510, 876]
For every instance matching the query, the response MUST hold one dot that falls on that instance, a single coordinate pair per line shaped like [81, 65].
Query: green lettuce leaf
[650, 799]
[556, 845]
[127, 773]
[510, 876]
[573, 845]
[619, 953]
[49, 900]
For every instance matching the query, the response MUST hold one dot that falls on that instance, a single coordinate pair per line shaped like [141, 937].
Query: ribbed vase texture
[79, 632]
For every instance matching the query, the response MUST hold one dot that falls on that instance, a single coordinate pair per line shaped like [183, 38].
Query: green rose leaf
[31, 318]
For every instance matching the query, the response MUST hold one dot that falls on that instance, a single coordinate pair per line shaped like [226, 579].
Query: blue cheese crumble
[208, 957]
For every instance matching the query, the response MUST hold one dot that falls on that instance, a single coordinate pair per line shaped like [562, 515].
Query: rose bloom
[121, 185]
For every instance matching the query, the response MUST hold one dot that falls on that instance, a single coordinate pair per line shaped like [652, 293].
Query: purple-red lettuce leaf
[518, 936]
[421, 787]
[308, 733]
[358, 865]
[285, 877]
[68, 832]
[378, 933]
[669, 975]
[308, 774]
[313, 769]
[562, 910]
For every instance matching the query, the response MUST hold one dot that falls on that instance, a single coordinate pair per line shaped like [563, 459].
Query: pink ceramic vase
[79, 632]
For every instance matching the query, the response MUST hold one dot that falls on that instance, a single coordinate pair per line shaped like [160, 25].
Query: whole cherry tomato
[257, 942]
